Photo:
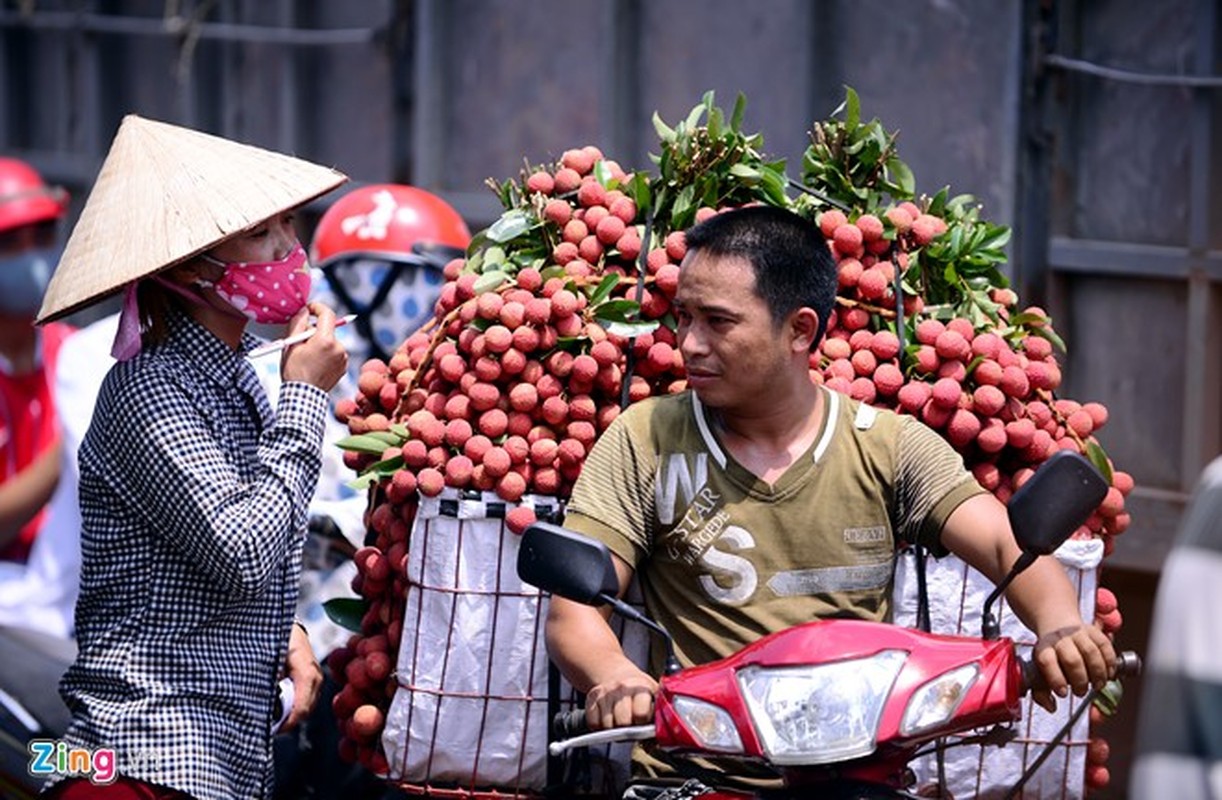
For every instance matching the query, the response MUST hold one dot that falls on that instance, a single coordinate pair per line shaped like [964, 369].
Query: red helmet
[25, 199]
[391, 222]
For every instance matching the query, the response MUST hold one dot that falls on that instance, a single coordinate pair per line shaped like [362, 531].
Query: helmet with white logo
[382, 249]
[25, 199]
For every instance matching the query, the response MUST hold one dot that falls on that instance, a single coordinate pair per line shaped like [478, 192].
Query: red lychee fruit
[847, 239]
[558, 211]
[591, 193]
[888, 379]
[676, 246]
[900, 219]
[541, 182]
[519, 518]
[946, 393]
[871, 227]
[830, 220]
[579, 160]
[430, 481]
[928, 331]
[962, 428]
[914, 395]
[925, 229]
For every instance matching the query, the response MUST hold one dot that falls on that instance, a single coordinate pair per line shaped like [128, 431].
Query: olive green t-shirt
[723, 558]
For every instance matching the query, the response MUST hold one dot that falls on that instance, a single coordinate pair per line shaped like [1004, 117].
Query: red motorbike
[837, 708]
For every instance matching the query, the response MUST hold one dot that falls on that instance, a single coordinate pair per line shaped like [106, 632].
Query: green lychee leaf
[363, 443]
[347, 612]
[391, 438]
[400, 430]
[736, 116]
[715, 122]
[1097, 456]
[1052, 336]
[774, 187]
[363, 482]
[602, 173]
[903, 183]
[852, 105]
[605, 286]
[693, 116]
[744, 172]
[475, 262]
[664, 131]
[511, 225]
[489, 281]
[384, 468]
[630, 329]
[620, 310]
[638, 189]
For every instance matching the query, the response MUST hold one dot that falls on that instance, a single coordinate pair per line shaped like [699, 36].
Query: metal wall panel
[946, 75]
[1132, 159]
[759, 49]
[1110, 326]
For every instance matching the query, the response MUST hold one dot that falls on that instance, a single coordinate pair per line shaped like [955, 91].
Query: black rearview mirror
[567, 564]
[1058, 498]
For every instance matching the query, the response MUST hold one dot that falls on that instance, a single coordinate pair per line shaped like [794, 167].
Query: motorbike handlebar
[1127, 663]
[567, 724]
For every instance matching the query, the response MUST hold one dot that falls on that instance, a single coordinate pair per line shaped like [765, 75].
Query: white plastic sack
[471, 707]
[956, 599]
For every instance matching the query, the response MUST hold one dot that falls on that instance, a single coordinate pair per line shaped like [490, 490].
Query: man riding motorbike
[758, 500]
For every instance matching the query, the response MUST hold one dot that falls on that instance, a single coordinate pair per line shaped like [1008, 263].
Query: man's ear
[803, 326]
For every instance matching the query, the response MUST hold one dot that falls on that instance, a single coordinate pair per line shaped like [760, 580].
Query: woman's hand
[305, 673]
[320, 360]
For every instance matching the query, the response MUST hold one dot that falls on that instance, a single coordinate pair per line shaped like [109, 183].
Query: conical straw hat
[164, 194]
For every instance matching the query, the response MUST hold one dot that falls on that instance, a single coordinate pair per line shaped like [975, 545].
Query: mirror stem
[990, 628]
[627, 611]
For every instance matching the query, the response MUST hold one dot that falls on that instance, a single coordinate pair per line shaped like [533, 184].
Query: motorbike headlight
[937, 700]
[711, 725]
[820, 714]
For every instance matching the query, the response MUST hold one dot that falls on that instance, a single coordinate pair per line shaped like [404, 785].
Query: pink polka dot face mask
[267, 292]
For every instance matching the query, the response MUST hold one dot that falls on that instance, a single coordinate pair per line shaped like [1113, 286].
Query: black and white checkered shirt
[193, 504]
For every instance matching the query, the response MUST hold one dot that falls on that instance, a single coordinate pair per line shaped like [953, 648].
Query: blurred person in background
[29, 430]
[35, 599]
[378, 253]
[1179, 735]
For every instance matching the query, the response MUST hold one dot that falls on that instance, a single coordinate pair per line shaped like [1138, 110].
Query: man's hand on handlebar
[1074, 659]
[622, 700]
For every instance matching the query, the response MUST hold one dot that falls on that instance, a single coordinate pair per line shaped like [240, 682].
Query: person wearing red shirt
[29, 429]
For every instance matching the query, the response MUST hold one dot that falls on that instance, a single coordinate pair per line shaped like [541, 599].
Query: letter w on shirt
[675, 478]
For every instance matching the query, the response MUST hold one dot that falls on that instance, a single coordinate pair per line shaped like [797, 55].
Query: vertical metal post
[1049, 288]
[429, 101]
[289, 141]
[1202, 374]
[230, 78]
[1010, 131]
[1029, 262]
[401, 54]
[84, 107]
[622, 68]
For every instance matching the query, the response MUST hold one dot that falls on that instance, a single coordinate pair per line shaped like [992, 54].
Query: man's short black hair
[793, 265]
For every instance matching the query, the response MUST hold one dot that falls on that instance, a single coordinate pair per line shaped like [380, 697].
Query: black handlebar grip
[568, 724]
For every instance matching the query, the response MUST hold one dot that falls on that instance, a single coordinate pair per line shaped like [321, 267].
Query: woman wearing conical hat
[193, 489]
